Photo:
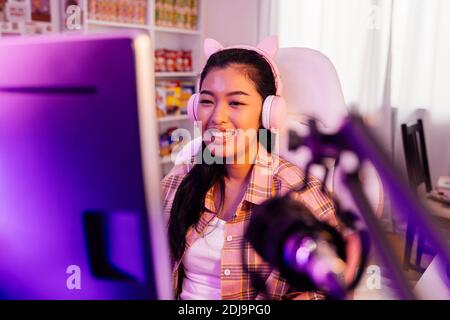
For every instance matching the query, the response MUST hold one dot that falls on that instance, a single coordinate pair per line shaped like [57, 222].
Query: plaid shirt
[271, 175]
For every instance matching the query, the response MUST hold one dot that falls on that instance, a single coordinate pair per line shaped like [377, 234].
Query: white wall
[232, 22]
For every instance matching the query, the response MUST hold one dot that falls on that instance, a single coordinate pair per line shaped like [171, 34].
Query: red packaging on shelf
[160, 60]
[171, 56]
[187, 60]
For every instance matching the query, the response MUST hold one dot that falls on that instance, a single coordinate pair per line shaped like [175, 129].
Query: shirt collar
[260, 185]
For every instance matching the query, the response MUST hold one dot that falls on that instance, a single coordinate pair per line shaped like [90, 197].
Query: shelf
[141, 26]
[177, 30]
[117, 24]
[173, 118]
[175, 74]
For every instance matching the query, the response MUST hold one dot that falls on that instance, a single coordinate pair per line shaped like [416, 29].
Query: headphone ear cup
[273, 112]
[192, 107]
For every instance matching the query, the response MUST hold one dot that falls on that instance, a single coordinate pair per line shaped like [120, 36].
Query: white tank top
[202, 264]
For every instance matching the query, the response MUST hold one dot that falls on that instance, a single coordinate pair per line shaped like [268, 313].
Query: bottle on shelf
[180, 14]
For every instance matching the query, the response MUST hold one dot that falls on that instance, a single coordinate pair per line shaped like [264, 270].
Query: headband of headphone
[267, 48]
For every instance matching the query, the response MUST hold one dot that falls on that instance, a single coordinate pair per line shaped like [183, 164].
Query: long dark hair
[189, 200]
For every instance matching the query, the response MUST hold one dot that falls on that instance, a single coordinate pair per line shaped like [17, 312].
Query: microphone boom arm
[355, 137]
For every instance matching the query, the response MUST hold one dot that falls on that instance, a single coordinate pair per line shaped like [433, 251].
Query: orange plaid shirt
[271, 175]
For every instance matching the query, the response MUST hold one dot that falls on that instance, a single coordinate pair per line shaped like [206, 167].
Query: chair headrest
[311, 86]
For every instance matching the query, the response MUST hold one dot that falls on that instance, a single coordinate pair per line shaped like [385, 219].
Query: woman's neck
[238, 172]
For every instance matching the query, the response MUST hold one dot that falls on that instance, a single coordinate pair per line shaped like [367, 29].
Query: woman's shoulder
[172, 179]
[169, 186]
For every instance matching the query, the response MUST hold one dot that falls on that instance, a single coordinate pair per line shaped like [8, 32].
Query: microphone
[309, 253]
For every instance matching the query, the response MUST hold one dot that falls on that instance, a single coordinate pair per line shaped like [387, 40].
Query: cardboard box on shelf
[160, 100]
[172, 97]
[17, 11]
[38, 28]
[12, 28]
[167, 145]
[2, 10]
[40, 10]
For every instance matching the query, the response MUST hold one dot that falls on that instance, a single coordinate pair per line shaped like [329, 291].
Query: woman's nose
[220, 113]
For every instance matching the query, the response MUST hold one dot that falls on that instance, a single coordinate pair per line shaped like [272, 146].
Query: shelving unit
[175, 74]
[112, 24]
[176, 30]
[173, 118]
[163, 37]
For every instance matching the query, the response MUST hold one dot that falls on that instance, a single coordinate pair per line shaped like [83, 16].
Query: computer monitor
[80, 207]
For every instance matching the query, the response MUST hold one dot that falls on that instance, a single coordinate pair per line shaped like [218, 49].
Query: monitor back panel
[72, 206]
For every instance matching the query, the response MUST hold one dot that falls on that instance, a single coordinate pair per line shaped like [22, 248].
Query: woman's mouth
[222, 135]
[219, 136]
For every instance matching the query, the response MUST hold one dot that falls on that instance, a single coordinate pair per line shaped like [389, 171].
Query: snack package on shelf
[40, 11]
[123, 11]
[25, 17]
[168, 13]
[141, 12]
[160, 60]
[180, 9]
[179, 66]
[171, 57]
[160, 100]
[157, 12]
[172, 97]
[187, 90]
[187, 60]
[173, 60]
[93, 10]
[180, 14]
[166, 145]
[193, 16]
[2, 10]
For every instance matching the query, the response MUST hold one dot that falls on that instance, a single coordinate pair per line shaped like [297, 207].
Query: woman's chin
[221, 152]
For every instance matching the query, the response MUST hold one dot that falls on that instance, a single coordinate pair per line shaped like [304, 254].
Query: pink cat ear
[269, 45]
[211, 46]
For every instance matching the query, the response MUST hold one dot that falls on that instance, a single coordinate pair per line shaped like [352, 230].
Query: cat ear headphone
[274, 106]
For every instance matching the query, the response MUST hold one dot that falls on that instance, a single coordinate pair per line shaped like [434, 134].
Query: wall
[232, 21]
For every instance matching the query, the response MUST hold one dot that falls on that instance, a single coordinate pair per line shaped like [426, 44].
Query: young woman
[209, 205]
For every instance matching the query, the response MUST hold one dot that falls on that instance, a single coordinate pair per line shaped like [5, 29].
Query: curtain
[421, 76]
[392, 57]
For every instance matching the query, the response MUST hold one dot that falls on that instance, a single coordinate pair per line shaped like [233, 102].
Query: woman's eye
[204, 101]
[236, 103]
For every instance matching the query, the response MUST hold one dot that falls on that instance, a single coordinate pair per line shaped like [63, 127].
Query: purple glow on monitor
[69, 143]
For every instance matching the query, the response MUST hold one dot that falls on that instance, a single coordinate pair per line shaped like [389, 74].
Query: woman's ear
[211, 46]
[269, 45]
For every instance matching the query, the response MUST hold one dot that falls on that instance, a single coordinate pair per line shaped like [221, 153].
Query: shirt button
[227, 272]
[229, 238]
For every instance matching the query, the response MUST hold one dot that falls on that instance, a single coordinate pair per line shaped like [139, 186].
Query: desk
[439, 212]
[432, 284]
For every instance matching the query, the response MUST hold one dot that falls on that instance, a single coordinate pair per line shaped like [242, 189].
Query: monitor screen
[80, 212]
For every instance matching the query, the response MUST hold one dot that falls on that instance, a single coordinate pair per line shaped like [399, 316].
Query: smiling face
[230, 111]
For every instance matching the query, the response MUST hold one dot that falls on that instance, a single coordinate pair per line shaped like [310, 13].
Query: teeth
[220, 134]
